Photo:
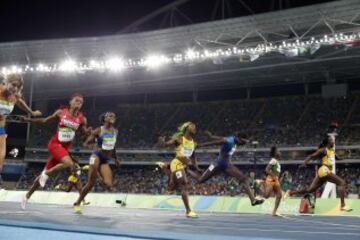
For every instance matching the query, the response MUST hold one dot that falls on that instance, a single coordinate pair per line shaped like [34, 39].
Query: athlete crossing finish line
[272, 183]
[223, 163]
[70, 120]
[184, 148]
[328, 156]
[105, 137]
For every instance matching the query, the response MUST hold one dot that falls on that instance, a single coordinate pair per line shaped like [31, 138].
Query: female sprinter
[272, 184]
[223, 163]
[70, 120]
[105, 136]
[185, 146]
[10, 95]
[328, 156]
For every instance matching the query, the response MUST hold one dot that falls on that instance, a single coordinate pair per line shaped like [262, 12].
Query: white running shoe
[43, 178]
[24, 201]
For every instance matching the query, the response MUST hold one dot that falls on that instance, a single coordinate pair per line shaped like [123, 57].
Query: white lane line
[323, 222]
[197, 226]
[136, 217]
[257, 229]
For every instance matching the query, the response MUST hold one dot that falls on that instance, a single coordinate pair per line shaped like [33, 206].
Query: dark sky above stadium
[47, 19]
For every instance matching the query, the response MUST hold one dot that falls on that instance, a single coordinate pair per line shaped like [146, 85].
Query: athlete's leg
[209, 172]
[278, 196]
[65, 162]
[92, 176]
[69, 187]
[268, 189]
[106, 174]
[2, 151]
[341, 186]
[315, 185]
[181, 180]
[234, 172]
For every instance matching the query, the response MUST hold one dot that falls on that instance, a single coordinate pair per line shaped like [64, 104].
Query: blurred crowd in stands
[284, 121]
[150, 180]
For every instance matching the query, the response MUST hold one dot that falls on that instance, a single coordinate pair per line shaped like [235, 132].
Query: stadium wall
[328, 207]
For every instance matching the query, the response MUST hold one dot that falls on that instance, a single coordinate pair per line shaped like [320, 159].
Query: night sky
[40, 19]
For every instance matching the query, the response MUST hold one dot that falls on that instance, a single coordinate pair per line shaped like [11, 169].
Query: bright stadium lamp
[4, 71]
[115, 64]
[156, 61]
[16, 69]
[42, 68]
[68, 66]
[190, 54]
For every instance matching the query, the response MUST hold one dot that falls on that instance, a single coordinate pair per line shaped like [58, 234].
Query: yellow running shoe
[77, 209]
[191, 214]
[57, 187]
[346, 209]
[86, 167]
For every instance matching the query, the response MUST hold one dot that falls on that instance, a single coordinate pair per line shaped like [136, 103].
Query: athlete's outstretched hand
[36, 113]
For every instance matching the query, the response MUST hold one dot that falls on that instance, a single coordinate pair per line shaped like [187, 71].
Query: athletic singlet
[107, 139]
[275, 166]
[329, 158]
[186, 148]
[68, 125]
[6, 105]
[229, 147]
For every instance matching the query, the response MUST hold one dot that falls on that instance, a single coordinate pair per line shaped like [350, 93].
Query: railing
[203, 150]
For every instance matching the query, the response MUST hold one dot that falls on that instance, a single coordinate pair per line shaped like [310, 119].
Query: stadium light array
[69, 66]
[189, 56]
[155, 61]
[114, 64]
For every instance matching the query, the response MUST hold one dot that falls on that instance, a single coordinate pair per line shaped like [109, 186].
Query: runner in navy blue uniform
[223, 162]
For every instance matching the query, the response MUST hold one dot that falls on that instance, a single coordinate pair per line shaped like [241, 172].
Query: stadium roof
[279, 25]
[299, 23]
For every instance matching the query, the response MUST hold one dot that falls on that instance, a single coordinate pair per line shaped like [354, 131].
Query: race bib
[278, 166]
[178, 174]
[211, 167]
[66, 134]
[332, 160]
[232, 151]
[5, 107]
[108, 143]
[187, 152]
[92, 160]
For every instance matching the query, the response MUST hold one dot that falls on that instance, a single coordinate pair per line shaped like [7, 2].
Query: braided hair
[181, 130]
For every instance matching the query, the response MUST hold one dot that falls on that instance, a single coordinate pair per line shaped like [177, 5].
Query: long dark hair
[181, 130]
[273, 151]
[324, 142]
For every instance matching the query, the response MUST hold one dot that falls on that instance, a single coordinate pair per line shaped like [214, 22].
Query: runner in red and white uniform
[70, 120]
